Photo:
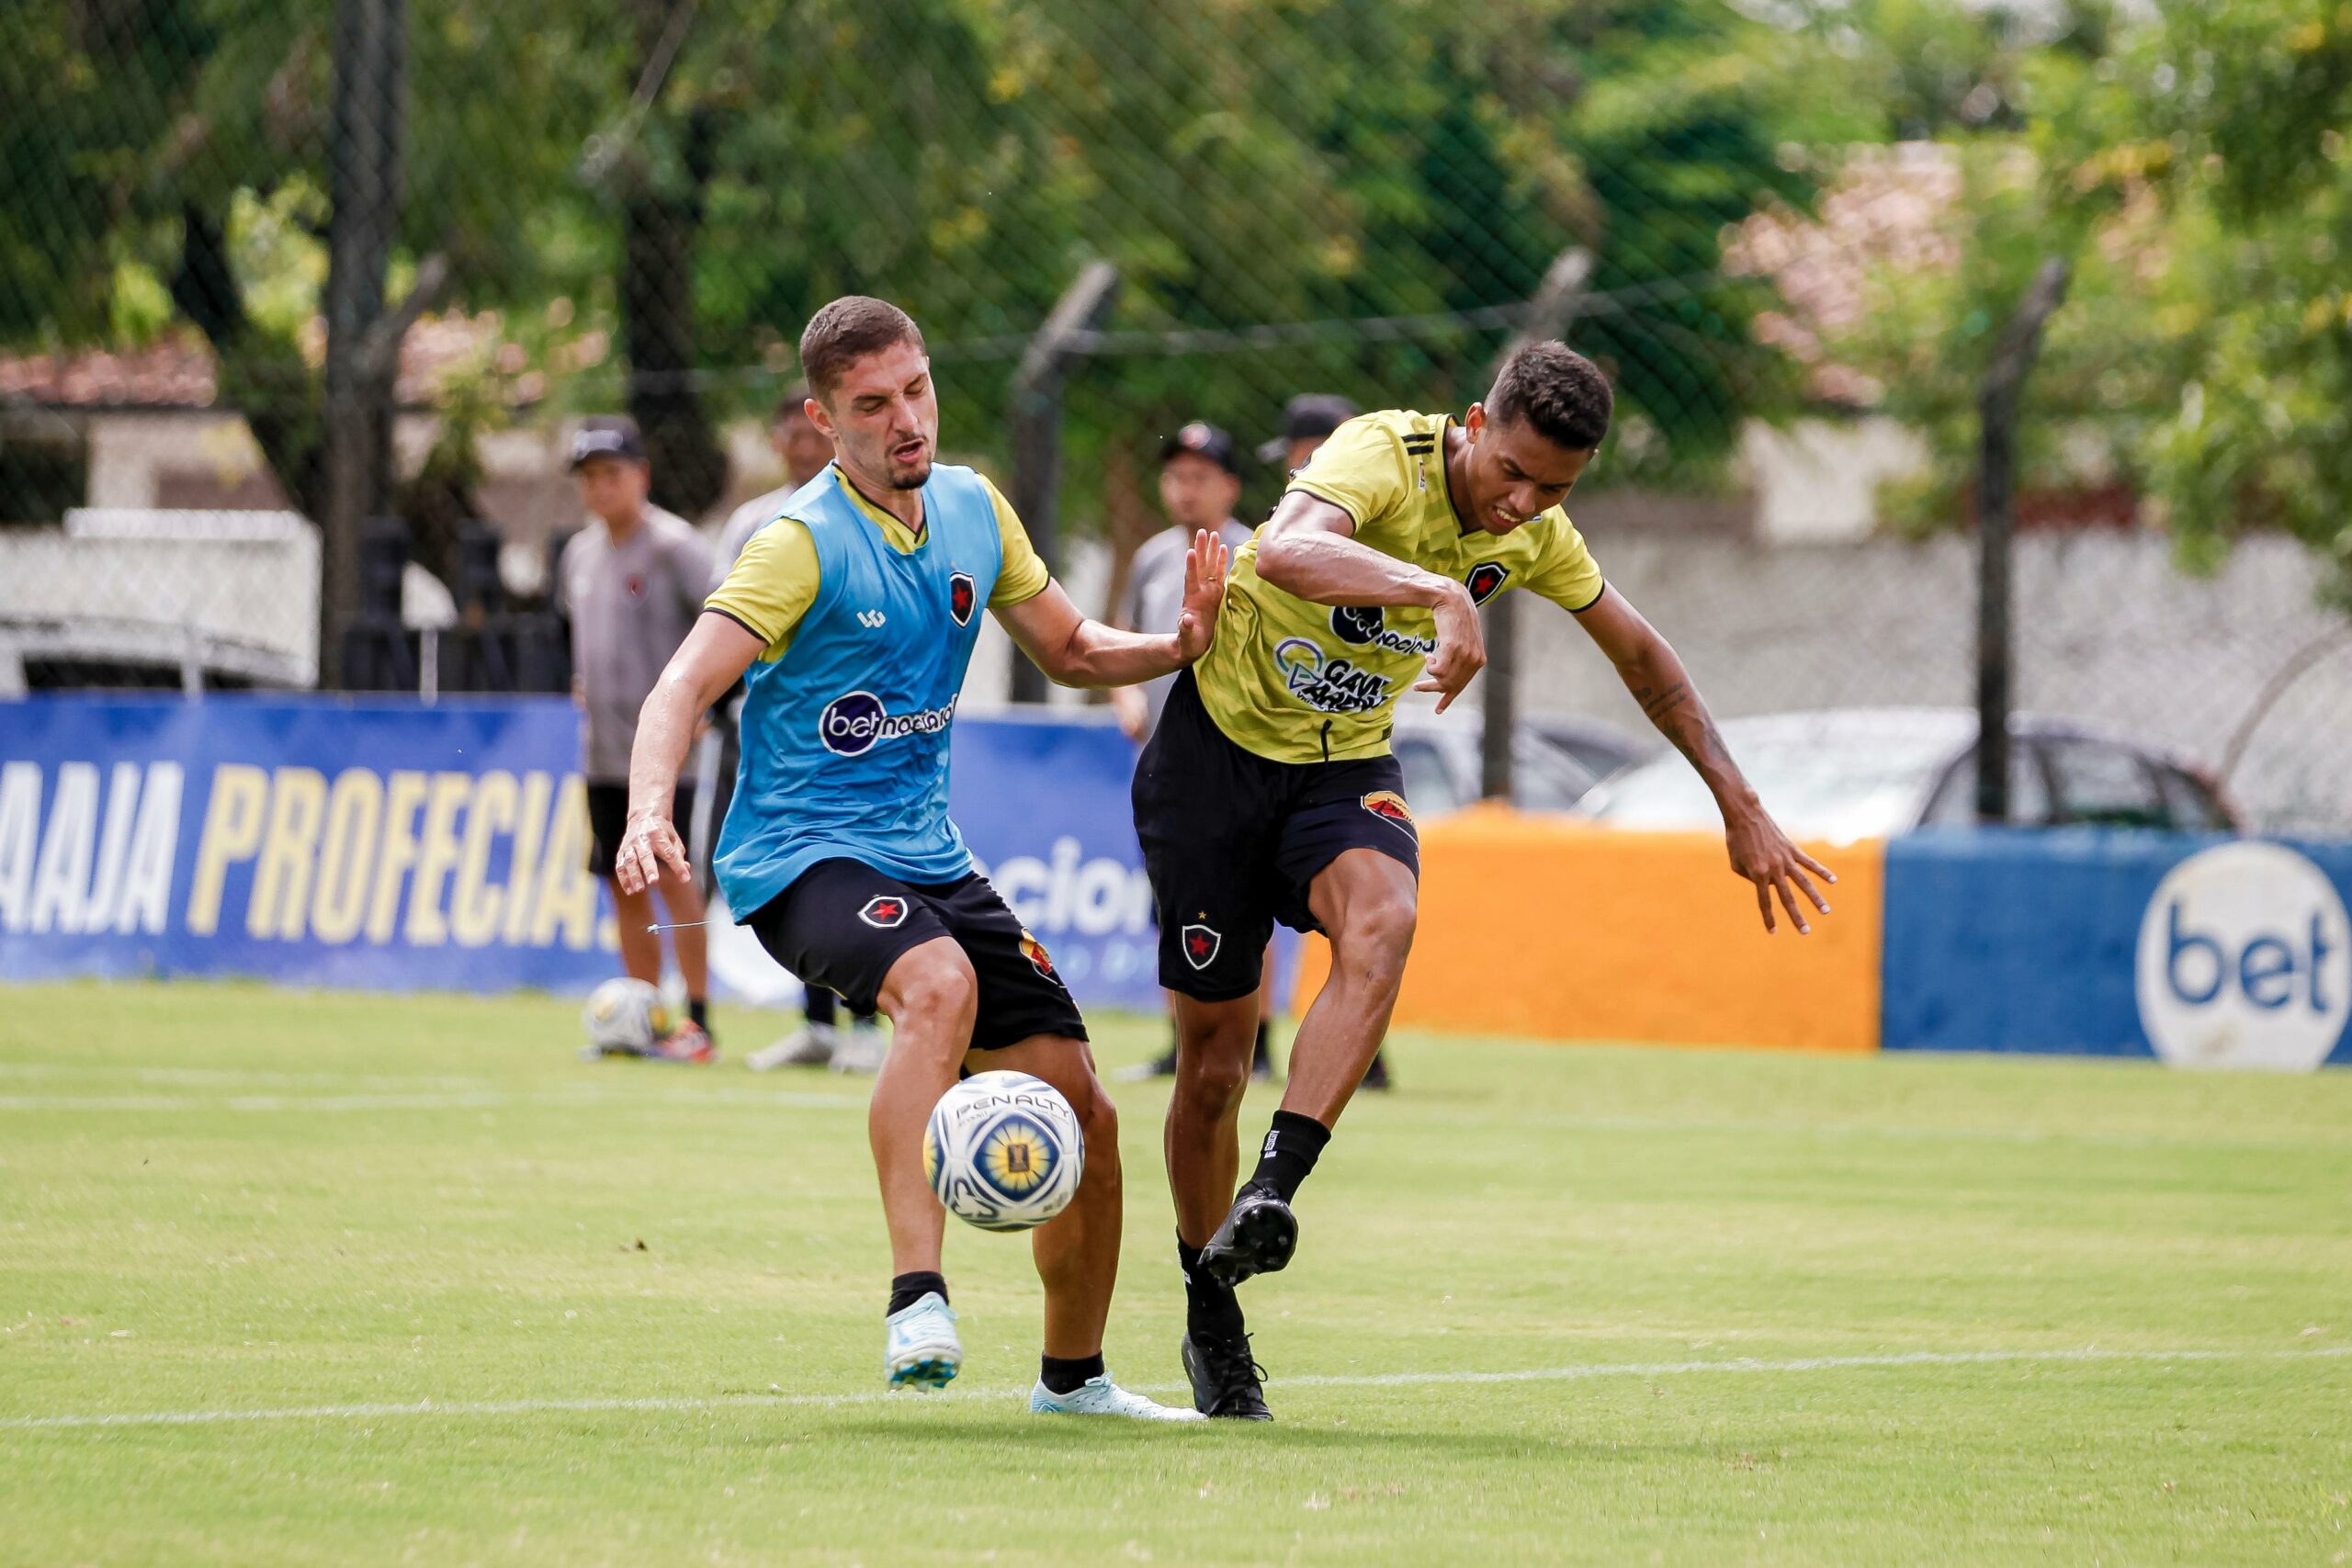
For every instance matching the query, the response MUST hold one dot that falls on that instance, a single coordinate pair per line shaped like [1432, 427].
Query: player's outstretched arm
[712, 659]
[1309, 548]
[1653, 671]
[1075, 651]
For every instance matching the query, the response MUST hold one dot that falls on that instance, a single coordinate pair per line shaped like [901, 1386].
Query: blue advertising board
[2203, 949]
[382, 844]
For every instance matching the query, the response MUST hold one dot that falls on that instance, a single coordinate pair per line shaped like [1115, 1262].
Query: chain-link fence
[299, 303]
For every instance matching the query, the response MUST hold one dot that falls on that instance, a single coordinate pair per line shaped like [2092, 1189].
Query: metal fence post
[363, 183]
[1547, 316]
[1036, 408]
[1997, 406]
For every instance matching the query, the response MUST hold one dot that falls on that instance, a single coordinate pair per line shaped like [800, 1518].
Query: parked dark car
[1555, 761]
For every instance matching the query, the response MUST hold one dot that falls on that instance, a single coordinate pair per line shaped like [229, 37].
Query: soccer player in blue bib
[850, 617]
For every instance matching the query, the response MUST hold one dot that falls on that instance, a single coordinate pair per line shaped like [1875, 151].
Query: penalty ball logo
[1016, 1158]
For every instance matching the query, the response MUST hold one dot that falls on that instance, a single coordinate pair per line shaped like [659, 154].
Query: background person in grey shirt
[806, 453]
[1200, 481]
[803, 450]
[632, 582]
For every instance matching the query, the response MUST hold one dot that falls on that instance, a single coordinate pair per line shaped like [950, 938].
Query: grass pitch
[317, 1279]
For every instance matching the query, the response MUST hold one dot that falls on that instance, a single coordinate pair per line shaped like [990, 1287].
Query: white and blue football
[1004, 1151]
[624, 1016]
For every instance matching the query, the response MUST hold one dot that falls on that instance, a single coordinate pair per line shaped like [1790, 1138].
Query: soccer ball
[624, 1015]
[1003, 1151]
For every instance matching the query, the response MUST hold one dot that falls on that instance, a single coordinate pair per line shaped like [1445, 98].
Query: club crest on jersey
[1486, 580]
[1200, 943]
[884, 911]
[1039, 959]
[1387, 804]
[1362, 623]
[1328, 685]
[856, 722]
[963, 597]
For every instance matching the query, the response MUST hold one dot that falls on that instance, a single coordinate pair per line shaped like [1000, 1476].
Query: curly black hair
[1558, 391]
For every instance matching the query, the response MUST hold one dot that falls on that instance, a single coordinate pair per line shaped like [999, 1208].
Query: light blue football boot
[1101, 1397]
[922, 1352]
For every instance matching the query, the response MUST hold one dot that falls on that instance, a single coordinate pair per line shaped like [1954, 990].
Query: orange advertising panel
[1561, 930]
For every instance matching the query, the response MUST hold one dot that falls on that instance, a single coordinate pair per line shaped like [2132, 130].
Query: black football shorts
[841, 924]
[608, 819]
[1232, 841]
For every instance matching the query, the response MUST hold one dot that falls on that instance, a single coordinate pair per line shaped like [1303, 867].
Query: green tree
[2194, 170]
[702, 177]
[184, 140]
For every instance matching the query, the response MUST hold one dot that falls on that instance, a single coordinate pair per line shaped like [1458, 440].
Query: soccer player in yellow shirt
[1269, 792]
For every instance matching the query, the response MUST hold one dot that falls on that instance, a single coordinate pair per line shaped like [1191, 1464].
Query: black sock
[820, 1007]
[1210, 1309]
[1061, 1376]
[1291, 1144]
[908, 1289]
[698, 1008]
[1263, 1051]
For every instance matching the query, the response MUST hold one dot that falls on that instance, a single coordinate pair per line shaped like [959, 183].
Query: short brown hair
[847, 331]
[793, 404]
[1558, 391]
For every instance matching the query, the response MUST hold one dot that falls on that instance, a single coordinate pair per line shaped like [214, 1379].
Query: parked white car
[1853, 774]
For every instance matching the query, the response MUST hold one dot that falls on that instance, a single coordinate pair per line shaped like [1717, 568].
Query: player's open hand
[650, 846]
[1205, 567]
[1461, 648]
[1765, 856]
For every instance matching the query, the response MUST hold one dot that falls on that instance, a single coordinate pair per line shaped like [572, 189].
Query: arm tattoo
[1678, 716]
[1657, 704]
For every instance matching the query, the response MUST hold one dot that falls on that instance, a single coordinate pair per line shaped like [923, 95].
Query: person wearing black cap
[1309, 421]
[1200, 481]
[631, 582]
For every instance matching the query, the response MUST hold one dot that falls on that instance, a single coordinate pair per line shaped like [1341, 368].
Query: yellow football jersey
[775, 581]
[1298, 682]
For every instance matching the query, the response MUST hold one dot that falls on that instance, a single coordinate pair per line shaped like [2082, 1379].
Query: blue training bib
[844, 738]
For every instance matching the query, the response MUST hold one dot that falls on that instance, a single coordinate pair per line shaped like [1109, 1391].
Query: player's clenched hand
[1763, 854]
[1461, 648]
[649, 845]
[1204, 566]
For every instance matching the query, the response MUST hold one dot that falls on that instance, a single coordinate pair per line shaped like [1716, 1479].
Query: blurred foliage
[1308, 162]
[2194, 169]
[1300, 195]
